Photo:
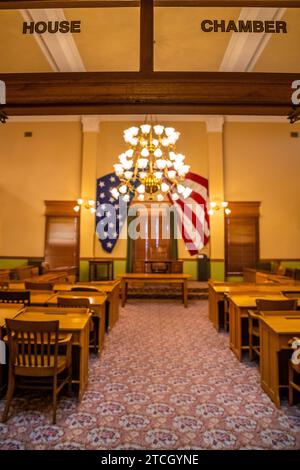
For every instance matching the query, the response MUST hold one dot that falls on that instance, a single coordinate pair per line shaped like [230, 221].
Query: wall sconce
[216, 206]
[87, 204]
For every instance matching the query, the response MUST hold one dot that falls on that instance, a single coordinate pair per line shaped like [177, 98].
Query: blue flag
[111, 213]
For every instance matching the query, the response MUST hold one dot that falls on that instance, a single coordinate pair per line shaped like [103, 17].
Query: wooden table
[93, 268]
[131, 278]
[217, 293]
[275, 333]
[238, 319]
[75, 321]
[97, 302]
[40, 297]
[112, 291]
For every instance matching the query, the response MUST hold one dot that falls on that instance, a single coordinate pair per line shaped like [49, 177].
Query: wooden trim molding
[61, 208]
[141, 93]
[15, 4]
[243, 209]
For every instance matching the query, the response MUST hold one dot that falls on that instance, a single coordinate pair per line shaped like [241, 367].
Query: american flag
[110, 217]
[192, 213]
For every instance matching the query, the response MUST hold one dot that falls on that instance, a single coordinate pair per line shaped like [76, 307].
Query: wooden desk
[75, 321]
[112, 291]
[146, 266]
[217, 292]
[40, 297]
[97, 302]
[238, 319]
[93, 268]
[275, 333]
[256, 275]
[131, 278]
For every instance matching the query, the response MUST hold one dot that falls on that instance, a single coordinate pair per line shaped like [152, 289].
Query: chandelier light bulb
[126, 198]
[158, 129]
[172, 155]
[123, 189]
[146, 128]
[224, 204]
[165, 187]
[145, 152]
[143, 174]
[210, 212]
[180, 188]
[155, 142]
[80, 201]
[158, 153]
[115, 193]
[187, 192]
[128, 164]
[160, 197]
[118, 169]
[141, 189]
[76, 208]
[142, 163]
[158, 175]
[141, 197]
[227, 211]
[133, 141]
[92, 210]
[161, 164]
[169, 131]
[128, 174]
[175, 196]
[213, 204]
[129, 153]
[165, 142]
[184, 170]
[172, 174]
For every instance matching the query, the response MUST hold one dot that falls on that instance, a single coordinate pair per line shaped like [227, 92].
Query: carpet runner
[166, 380]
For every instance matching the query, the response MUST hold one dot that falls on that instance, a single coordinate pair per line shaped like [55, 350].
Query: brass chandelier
[150, 166]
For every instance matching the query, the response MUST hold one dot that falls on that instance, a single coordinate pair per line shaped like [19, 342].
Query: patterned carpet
[166, 380]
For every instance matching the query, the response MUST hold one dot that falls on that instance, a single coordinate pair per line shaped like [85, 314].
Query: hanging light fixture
[87, 204]
[151, 166]
[216, 206]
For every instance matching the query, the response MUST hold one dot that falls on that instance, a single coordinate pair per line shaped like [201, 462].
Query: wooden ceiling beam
[133, 92]
[29, 4]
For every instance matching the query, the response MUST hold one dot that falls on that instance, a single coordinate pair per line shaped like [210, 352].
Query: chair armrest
[65, 339]
[253, 315]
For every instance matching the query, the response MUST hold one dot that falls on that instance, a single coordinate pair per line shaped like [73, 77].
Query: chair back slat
[33, 344]
[269, 305]
[71, 302]
[15, 297]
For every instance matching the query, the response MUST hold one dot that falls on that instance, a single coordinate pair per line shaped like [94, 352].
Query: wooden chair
[294, 371]
[15, 297]
[35, 352]
[38, 285]
[81, 302]
[267, 305]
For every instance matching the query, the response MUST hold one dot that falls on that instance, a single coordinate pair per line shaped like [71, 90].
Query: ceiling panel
[282, 53]
[180, 45]
[19, 52]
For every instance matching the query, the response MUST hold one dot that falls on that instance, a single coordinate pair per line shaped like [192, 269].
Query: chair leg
[291, 390]
[250, 341]
[70, 381]
[9, 396]
[54, 398]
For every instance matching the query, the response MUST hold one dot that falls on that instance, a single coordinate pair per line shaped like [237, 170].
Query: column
[214, 126]
[90, 136]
